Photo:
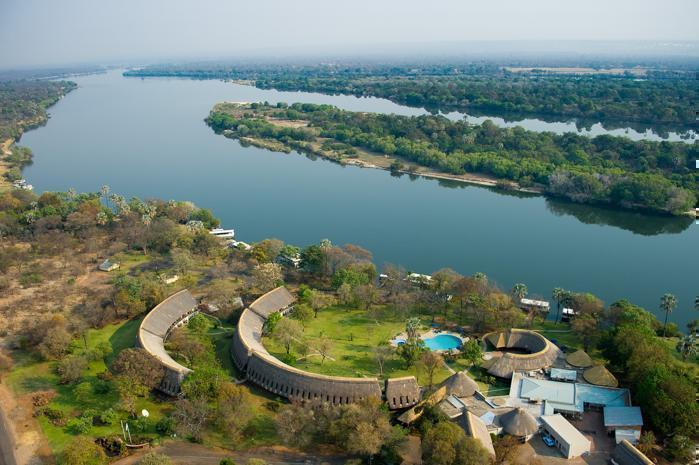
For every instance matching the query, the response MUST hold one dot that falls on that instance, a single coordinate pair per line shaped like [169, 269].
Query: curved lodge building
[268, 372]
[537, 352]
[155, 328]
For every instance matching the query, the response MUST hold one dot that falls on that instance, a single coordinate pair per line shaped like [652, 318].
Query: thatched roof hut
[600, 376]
[580, 359]
[519, 422]
[542, 352]
[460, 385]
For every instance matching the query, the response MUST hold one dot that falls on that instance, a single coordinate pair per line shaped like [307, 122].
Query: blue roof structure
[622, 416]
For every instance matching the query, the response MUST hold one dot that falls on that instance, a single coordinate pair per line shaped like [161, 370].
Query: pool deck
[429, 334]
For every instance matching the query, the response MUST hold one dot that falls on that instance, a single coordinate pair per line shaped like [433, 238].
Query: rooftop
[564, 429]
[623, 416]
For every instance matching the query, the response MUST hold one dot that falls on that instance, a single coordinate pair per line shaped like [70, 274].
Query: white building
[568, 439]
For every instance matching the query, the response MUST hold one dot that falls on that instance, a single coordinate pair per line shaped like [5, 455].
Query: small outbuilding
[626, 454]
[108, 265]
[624, 422]
[520, 423]
[571, 442]
[579, 359]
[600, 376]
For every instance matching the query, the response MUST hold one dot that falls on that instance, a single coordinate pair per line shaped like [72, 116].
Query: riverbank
[364, 158]
[4, 166]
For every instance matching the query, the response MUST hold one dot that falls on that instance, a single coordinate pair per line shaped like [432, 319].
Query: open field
[353, 335]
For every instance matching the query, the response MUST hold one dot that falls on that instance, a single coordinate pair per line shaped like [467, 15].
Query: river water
[147, 138]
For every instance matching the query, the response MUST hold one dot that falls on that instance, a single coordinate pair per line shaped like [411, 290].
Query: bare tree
[286, 332]
[266, 276]
[191, 416]
[382, 353]
[430, 361]
[324, 347]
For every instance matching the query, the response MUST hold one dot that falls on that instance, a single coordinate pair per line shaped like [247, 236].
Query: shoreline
[5, 148]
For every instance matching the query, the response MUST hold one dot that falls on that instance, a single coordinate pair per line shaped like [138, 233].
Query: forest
[661, 98]
[650, 176]
[23, 104]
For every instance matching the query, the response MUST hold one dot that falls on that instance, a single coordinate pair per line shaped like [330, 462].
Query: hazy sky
[54, 32]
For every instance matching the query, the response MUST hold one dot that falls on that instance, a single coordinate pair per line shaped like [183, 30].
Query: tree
[70, 369]
[681, 448]
[267, 276]
[345, 294]
[153, 458]
[442, 284]
[365, 295]
[446, 444]
[182, 260]
[233, 409]
[362, 428]
[668, 302]
[562, 297]
[140, 366]
[191, 416]
[303, 313]
[55, 343]
[687, 347]
[412, 326]
[83, 451]
[319, 300]
[431, 361]
[586, 326]
[646, 443]
[471, 351]
[324, 346]
[296, 425]
[287, 332]
[271, 323]
[519, 291]
[382, 353]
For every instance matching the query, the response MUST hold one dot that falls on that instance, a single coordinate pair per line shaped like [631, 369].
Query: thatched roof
[542, 352]
[600, 376]
[474, 427]
[519, 422]
[402, 392]
[460, 385]
[579, 358]
[414, 413]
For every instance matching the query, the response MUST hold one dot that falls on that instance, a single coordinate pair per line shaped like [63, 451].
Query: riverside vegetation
[662, 99]
[651, 176]
[23, 106]
[70, 332]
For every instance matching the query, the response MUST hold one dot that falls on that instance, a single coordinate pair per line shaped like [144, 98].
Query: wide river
[147, 138]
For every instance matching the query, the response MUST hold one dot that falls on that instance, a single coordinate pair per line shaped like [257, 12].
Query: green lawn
[32, 375]
[353, 335]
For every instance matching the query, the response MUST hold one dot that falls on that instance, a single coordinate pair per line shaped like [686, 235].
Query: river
[147, 138]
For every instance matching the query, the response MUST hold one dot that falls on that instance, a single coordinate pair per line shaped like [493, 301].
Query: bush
[165, 426]
[82, 390]
[70, 369]
[109, 417]
[80, 425]
[101, 387]
[83, 451]
[226, 461]
[56, 417]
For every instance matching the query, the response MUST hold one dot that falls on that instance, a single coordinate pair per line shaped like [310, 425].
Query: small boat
[223, 233]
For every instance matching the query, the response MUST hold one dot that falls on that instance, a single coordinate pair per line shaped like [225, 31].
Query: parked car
[548, 440]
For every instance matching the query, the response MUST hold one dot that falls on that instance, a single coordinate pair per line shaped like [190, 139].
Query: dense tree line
[653, 176]
[662, 98]
[595, 98]
[23, 104]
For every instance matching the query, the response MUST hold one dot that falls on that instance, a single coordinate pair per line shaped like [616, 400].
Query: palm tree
[668, 302]
[687, 347]
[519, 290]
[412, 326]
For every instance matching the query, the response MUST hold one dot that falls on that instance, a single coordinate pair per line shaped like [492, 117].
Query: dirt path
[185, 453]
[21, 442]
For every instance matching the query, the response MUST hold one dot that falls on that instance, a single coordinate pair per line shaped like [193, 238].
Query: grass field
[353, 335]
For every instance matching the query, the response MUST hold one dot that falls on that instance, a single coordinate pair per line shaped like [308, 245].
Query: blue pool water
[443, 342]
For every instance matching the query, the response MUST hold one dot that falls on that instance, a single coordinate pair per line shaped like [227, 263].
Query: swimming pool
[443, 342]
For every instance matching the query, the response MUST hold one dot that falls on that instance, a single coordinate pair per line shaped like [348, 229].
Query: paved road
[7, 447]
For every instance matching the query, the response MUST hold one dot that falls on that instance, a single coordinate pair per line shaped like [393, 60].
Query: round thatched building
[538, 352]
[579, 359]
[600, 376]
[460, 385]
[518, 422]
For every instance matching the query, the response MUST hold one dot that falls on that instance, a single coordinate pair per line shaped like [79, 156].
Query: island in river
[604, 170]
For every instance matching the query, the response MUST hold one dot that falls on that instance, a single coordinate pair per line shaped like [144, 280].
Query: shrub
[226, 461]
[101, 387]
[83, 451]
[80, 425]
[70, 369]
[165, 426]
[56, 417]
[82, 390]
[109, 417]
